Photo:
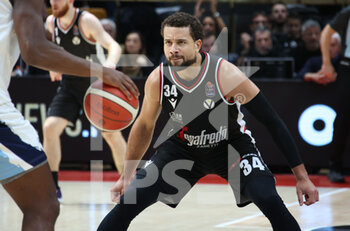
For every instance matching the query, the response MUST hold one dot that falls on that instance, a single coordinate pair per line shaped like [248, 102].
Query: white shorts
[20, 148]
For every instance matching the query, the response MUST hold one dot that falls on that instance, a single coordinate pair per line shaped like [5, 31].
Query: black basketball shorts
[68, 102]
[174, 171]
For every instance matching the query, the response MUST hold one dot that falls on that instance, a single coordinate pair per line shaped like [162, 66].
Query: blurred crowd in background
[282, 39]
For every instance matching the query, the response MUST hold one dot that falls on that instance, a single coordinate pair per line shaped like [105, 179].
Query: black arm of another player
[264, 113]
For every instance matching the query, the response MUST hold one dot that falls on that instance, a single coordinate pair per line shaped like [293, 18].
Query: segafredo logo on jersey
[204, 139]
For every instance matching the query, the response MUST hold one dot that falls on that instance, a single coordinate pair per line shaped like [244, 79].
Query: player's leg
[117, 144]
[52, 130]
[341, 125]
[262, 191]
[120, 217]
[25, 174]
[340, 137]
[252, 181]
[138, 197]
[35, 194]
[63, 110]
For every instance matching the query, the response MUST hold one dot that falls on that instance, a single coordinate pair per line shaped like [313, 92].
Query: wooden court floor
[206, 207]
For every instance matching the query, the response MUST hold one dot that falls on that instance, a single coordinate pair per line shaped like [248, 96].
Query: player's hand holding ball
[120, 80]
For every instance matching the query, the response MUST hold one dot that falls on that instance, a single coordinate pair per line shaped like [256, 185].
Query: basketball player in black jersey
[32, 188]
[81, 34]
[196, 90]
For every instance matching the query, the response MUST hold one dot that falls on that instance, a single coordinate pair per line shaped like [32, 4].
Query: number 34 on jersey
[249, 164]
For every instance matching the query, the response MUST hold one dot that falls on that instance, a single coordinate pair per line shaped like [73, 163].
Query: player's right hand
[118, 189]
[121, 81]
[55, 76]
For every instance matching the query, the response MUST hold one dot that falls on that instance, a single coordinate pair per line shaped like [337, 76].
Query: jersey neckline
[65, 30]
[197, 80]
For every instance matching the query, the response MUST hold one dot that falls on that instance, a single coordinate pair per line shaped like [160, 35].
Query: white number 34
[247, 167]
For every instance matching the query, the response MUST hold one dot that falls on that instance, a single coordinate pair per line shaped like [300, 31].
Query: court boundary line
[235, 221]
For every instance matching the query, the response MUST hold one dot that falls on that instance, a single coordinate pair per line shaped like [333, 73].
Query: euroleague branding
[204, 140]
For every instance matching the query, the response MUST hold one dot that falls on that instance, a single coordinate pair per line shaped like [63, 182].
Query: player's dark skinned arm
[37, 51]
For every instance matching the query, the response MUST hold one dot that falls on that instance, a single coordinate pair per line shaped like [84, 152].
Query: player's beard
[62, 12]
[184, 64]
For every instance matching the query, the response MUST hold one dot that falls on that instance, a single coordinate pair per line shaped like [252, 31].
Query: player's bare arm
[93, 29]
[141, 134]
[37, 51]
[235, 85]
[327, 67]
[142, 130]
[49, 25]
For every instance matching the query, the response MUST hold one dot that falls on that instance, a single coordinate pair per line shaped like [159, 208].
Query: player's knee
[54, 209]
[47, 211]
[50, 129]
[112, 135]
[262, 191]
[51, 210]
[107, 135]
[267, 200]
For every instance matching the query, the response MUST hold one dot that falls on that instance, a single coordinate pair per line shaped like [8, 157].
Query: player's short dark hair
[181, 19]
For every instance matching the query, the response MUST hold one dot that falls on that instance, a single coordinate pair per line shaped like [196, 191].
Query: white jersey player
[24, 171]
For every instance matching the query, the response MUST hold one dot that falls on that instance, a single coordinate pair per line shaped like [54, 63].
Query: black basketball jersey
[200, 119]
[73, 40]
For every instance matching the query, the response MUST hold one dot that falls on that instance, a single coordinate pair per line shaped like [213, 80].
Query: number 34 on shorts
[251, 162]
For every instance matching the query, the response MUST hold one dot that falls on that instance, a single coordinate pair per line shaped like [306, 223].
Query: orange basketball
[107, 108]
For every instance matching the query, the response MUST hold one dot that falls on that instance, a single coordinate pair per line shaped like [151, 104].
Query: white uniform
[20, 148]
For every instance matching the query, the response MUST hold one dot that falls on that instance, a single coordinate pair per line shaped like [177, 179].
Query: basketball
[107, 108]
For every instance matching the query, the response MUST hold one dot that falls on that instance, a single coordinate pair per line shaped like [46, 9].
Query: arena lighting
[316, 124]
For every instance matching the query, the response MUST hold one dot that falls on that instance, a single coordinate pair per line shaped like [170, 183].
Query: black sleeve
[264, 113]
[340, 21]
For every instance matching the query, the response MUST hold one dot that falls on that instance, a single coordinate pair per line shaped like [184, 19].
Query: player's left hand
[307, 192]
